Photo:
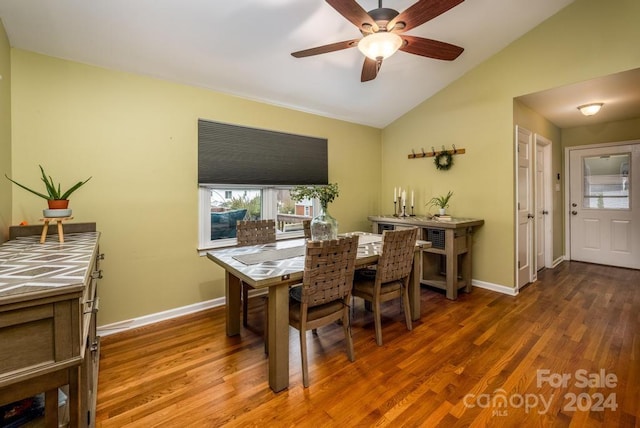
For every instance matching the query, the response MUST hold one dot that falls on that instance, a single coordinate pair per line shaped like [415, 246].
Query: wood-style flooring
[564, 352]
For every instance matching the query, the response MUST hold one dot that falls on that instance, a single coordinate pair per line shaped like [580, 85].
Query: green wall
[137, 137]
[5, 134]
[623, 130]
[587, 39]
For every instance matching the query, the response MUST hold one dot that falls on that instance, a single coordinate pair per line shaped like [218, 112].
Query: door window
[607, 181]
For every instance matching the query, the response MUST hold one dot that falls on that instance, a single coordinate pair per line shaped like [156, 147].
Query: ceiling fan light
[590, 109]
[380, 45]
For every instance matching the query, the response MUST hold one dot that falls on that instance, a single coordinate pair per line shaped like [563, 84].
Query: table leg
[466, 264]
[75, 418]
[45, 228]
[414, 286]
[451, 264]
[232, 307]
[60, 232]
[278, 337]
[51, 408]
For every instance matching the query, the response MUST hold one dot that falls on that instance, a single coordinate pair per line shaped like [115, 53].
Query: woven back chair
[390, 279]
[253, 232]
[306, 226]
[325, 292]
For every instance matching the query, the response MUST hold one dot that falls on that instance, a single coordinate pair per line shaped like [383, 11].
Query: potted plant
[442, 202]
[54, 196]
[323, 226]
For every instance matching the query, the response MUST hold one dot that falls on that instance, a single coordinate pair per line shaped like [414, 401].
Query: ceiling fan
[381, 29]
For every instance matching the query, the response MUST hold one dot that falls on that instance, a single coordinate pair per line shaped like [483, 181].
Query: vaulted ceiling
[243, 47]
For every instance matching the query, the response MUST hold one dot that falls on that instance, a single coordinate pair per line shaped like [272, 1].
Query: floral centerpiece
[323, 226]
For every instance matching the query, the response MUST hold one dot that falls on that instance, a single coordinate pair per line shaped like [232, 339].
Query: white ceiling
[243, 47]
[619, 92]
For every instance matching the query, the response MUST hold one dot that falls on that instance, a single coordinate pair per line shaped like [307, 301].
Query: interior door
[605, 205]
[541, 210]
[524, 207]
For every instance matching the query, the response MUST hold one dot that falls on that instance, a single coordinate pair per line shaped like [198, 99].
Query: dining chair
[306, 226]
[390, 278]
[253, 232]
[324, 295]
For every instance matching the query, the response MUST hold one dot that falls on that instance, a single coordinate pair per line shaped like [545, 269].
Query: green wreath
[443, 160]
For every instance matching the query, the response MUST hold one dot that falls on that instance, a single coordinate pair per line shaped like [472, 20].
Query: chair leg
[407, 308]
[303, 350]
[245, 303]
[377, 321]
[346, 325]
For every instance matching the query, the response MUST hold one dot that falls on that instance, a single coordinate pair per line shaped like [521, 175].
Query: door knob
[574, 205]
[530, 216]
[574, 212]
[545, 212]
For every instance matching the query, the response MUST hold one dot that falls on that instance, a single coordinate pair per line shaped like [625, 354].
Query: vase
[324, 226]
[443, 211]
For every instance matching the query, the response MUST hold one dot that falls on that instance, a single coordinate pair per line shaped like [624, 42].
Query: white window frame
[269, 210]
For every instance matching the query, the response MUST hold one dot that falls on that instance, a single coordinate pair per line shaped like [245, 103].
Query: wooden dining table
[276, 266]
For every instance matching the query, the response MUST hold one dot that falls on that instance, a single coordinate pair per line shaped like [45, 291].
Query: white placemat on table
[270, 255]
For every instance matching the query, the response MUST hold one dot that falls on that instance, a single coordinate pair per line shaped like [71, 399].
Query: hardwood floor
[486, 359]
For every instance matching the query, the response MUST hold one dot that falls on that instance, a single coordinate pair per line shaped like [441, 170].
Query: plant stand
[45, 229]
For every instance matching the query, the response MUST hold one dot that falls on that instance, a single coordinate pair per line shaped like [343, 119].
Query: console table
[447, 263]
[48, 306]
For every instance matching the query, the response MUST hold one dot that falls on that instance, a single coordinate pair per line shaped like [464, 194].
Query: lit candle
[412, 198]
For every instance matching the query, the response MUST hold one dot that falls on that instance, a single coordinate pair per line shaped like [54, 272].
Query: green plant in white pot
[442, 202]
[56, 198]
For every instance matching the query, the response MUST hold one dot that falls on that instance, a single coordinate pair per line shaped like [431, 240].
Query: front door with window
[604, 205]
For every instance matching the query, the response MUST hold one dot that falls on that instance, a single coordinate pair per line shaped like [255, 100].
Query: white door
[543, 203]
[604, 205]
[540, 208]
[524, 207]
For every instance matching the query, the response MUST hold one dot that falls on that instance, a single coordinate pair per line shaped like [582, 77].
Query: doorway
[525, 273]
[603, 218]
[543, 204]
[534, 205]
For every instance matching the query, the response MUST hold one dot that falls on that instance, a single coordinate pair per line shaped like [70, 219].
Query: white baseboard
[121, 326]
[495, 287]
[557, 261]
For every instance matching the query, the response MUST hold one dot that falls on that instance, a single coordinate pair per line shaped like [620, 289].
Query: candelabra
[404, 210]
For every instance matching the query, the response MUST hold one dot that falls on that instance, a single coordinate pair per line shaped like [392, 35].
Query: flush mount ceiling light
[590, 109]
[380, 45]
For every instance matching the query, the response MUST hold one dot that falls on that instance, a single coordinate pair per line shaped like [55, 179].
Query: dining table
[277, 266]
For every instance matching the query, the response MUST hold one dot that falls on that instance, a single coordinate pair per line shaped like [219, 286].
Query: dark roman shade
[230, 154]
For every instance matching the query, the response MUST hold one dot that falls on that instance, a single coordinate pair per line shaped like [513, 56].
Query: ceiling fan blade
[421, 12]
[355, 14]
[370, 69]
[326, 48]
[430, 48]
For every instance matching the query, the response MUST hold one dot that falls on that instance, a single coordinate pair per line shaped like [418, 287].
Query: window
[606, 182]
[246, 173]
[221, 206]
